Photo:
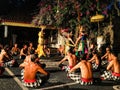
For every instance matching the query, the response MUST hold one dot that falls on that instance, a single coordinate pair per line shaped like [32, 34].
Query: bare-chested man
[72, 60]
[5, 61]
[109, 56]
[24, 52]
[95, 60]
[30, 76]
[86, 75]
[113, 71]
[37, 60]
[15, 50]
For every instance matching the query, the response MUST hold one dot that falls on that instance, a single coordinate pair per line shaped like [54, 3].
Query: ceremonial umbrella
[97, 18]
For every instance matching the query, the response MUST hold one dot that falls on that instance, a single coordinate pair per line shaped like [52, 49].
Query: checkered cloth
[94, 66]
[77, 78]
[107, 75]
[104, 62]
[8, 64]
[37, 83]
[66, 68]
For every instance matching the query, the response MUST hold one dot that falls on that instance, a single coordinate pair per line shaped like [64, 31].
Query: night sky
[9, 6]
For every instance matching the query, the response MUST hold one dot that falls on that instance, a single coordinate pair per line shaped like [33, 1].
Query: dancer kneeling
[113, 71]
[86, 77]
[30, 77]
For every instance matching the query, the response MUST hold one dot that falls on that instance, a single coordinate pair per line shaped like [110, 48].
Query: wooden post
[5, 31]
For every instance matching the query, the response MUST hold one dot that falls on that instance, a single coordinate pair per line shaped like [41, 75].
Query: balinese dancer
[68, 43]
[81, 43]
[40, 46]
[86, 75]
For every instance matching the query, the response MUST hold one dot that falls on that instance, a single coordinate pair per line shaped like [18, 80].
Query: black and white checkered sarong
[77, 78]
[104, 62]
[37, 83]
[94, 66]
[8, 64]
[107, 75]
[66, 68]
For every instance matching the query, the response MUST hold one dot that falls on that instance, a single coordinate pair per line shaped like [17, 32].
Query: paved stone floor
[57, 81]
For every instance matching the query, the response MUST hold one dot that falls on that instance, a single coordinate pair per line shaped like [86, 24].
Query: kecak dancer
[30, 75]
[107, 57]
[5, 61]
[72, 60]
[95, 60]
[86, 75]
[113, 71]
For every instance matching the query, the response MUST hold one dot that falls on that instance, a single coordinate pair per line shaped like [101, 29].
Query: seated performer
[15, 50]
[108, 56]
[30, 77]
[86, 75]
[95, 60]
[113, 71]
[24, 52]
[31, 47]
[72, 60]
[5, 61]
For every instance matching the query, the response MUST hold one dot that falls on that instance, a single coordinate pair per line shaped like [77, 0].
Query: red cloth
[86, 80]
[30, 81]
[116, 74]
[70, 67]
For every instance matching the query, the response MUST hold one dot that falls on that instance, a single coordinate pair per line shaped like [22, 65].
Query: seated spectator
[15, 50]
[46, 51]
[61, 50]
[24, 52]
[30, 47]
[30, 77]
[1, 46]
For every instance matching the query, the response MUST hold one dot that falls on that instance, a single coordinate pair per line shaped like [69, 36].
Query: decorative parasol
[97, 18]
